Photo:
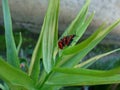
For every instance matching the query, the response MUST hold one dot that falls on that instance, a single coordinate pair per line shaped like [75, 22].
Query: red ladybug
[65, 41]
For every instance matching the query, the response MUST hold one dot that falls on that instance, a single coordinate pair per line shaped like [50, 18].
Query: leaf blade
[76, 53]
[90, 61]
[20, 43]
[78, 21]
[82, 80]
[14, 76]
[49, 35]
[81, 76]
[12, 57]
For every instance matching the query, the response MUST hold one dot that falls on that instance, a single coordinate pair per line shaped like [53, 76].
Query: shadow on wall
[29, 15]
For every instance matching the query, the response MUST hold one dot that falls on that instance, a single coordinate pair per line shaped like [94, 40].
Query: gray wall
[30, 13]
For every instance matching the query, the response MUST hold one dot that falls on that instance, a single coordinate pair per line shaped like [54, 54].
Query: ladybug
[65, 41]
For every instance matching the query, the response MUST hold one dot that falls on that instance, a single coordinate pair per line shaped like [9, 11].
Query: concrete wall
[29, 14]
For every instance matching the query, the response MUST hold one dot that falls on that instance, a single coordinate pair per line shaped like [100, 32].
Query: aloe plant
[60, 67]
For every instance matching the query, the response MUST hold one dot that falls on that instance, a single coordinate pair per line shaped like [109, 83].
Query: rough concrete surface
[29, 14]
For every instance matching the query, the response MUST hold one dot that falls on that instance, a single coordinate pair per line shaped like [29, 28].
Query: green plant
[61, 67]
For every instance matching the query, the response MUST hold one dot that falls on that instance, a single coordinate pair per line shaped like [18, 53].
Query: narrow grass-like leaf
[82, 71]
[49, 38]
[71, 51]
[6, 86]
[34, 68]
[84, 43]
[81, 76]
[78, 21]
[19, 44]
[15, 76]
[41, 84]
[75, 54]
[81, 80]
[2, 87]
[12, 57]
[90, 61]
[42, 79]
[82, 29]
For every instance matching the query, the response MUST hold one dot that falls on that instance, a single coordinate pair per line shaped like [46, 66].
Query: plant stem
[43, 79]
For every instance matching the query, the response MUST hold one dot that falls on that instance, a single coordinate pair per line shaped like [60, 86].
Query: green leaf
[2, 87]
[12, 57]
[81, 80]
[50, 28]
[75, 49]
[82, 71]
[78, 21]
[82, 29]
[20, 43]
[41, 84]
[80, 76]
[74, 54]
[71, 51]
[90, 61]
[6, 86]
[50, 87]
[34, 68]
[15, 76]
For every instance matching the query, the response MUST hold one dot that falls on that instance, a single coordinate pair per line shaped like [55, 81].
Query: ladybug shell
[65, 41]
[60, 44]
[69, 39]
